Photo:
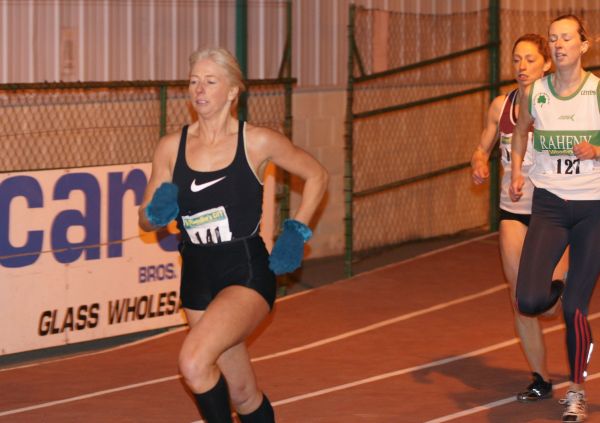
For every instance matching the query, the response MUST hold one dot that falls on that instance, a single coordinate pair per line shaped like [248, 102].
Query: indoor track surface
[429, 339]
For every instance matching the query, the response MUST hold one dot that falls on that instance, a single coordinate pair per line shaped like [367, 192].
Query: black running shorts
[523, 218]
[207, 269]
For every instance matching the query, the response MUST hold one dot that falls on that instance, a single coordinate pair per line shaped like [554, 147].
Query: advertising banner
[74, 265]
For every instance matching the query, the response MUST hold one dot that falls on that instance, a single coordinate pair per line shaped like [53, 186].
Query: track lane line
[176, 329]
[86, 396]
[92, 353]
[381, 324]
[313, 394]
[497, 403]
[262, 358]
[397, 263]
[436, 363]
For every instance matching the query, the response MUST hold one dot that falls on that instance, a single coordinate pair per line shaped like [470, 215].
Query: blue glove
[289, 248]
[163, 207]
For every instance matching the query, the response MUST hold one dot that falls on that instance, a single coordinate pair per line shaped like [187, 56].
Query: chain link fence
[515, 23]
[419, 88]
[75, 125]
[59, 126]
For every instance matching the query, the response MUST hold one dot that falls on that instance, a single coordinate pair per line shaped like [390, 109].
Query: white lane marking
[118, 347]
[86, 396]
[381, 324]
[497, 403]
[320, 392]
[400, 372]
[287, 297]
[396, 263]
[281, 353]
[436, 363]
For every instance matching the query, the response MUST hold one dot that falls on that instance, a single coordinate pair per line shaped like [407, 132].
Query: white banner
[74, 265]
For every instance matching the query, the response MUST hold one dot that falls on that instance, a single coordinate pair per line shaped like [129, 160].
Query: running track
[429, 339]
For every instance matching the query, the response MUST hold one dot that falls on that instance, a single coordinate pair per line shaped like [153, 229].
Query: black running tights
[556, 223]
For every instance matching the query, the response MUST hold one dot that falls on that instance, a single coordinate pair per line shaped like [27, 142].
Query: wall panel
[152, 39]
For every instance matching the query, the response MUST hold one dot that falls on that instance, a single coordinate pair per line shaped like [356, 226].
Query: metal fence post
[241, 50]
[494, 24]
[163, 109]
[348, 181]
[286, 71]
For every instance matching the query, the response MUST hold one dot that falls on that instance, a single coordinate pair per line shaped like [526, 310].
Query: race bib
[555, 151]
[506, 148]
[564, 165]
[208, 226]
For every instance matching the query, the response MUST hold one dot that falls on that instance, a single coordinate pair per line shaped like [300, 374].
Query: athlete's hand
[481, 172]
[163, 207]
[585, 151]
[289, 248]
[515, 191]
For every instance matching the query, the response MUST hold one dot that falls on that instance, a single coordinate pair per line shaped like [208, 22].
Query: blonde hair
[227, 62]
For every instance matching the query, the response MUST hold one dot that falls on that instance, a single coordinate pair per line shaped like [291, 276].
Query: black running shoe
[538, 390]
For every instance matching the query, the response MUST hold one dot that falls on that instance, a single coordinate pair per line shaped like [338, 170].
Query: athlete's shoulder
[500, 99]
[260, 135]
[497, 105]
[168, 145]
[542, 83]
[259, 131]
[171, 139]
[593, 77]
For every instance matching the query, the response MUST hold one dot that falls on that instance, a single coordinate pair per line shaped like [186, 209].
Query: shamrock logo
[541, 99]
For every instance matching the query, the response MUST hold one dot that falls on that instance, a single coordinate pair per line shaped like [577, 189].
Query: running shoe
[538, 390]
[575, 407]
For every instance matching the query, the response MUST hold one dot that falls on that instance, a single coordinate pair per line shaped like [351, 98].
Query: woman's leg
[584, 240]
[512, 235]
[250, 403]
[544, 245]
[229, 319]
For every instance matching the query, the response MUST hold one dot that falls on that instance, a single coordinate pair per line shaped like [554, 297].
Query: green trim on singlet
[531, 97]
[587, 75]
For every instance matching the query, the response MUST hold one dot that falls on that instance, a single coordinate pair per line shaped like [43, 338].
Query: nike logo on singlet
[195, 188]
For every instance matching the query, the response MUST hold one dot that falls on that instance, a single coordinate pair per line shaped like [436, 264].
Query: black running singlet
[220, 205]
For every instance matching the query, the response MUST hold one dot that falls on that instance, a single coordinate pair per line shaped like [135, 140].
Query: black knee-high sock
[214, 403]
[263, 414]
